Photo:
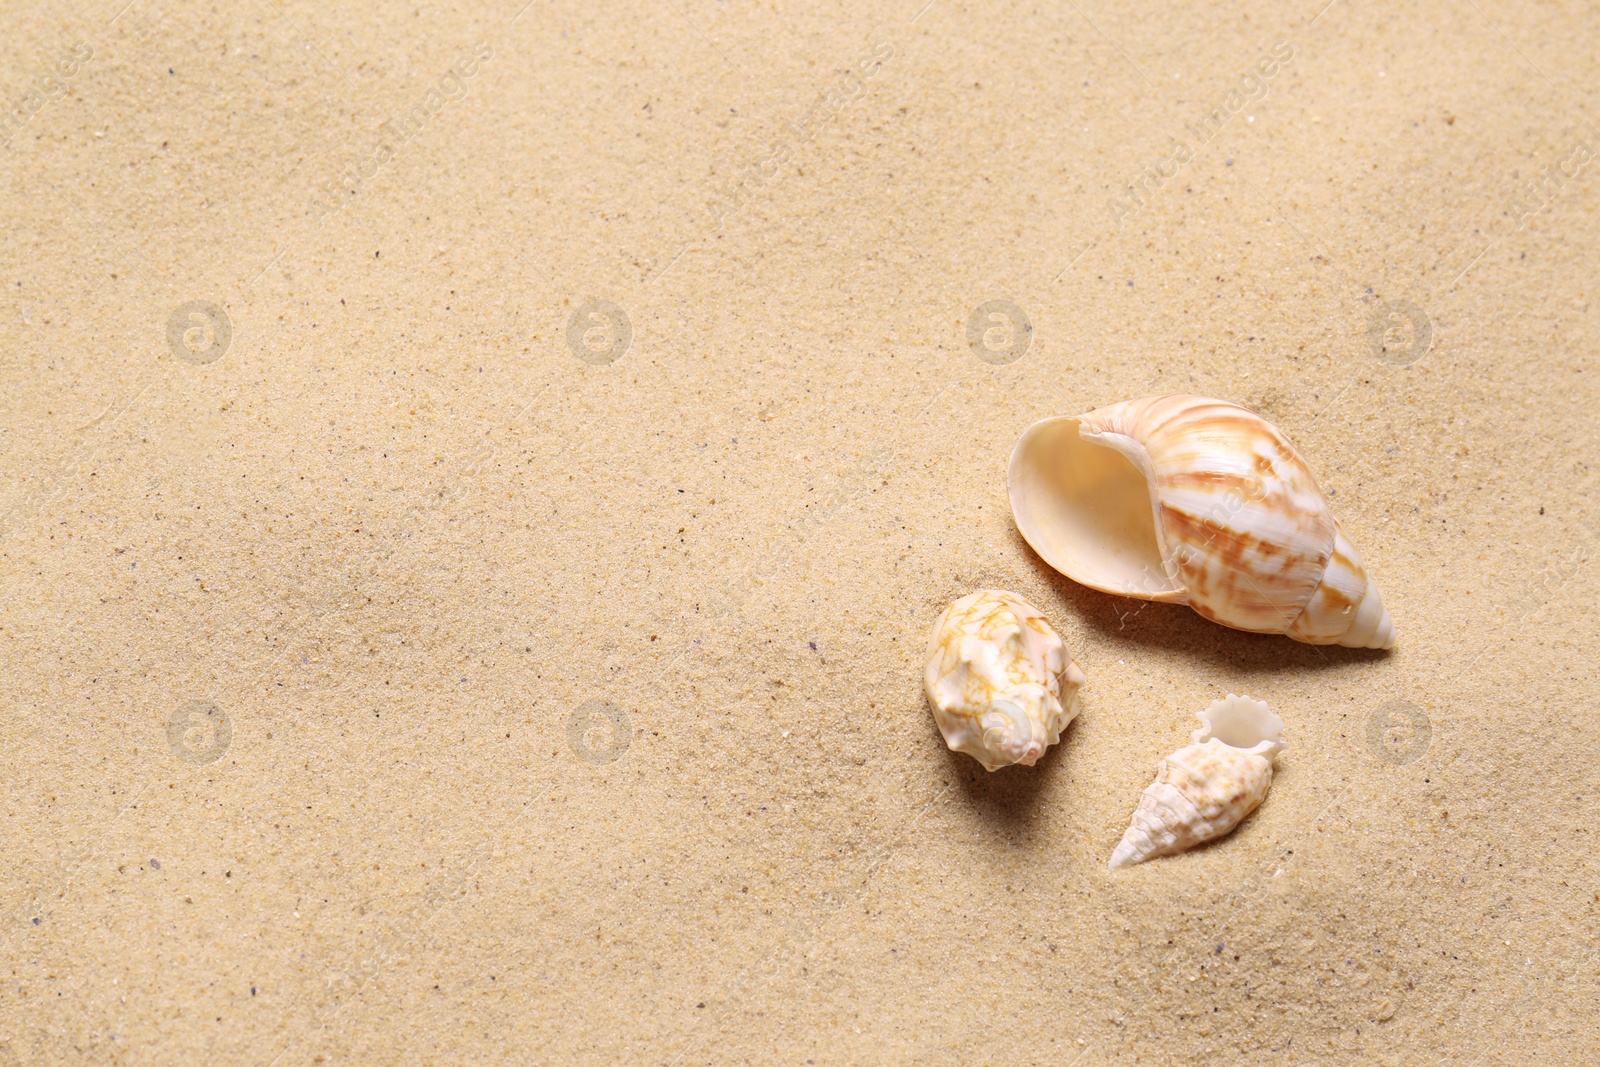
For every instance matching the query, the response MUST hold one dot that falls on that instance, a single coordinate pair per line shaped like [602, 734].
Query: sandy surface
[391, 675]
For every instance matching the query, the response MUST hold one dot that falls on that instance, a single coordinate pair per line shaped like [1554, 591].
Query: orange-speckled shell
[1201, 792]
[999, 678]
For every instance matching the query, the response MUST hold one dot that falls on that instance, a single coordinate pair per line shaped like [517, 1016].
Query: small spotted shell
[1001, 681]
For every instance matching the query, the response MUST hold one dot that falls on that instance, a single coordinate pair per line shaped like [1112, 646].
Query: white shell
[1001, 681]
[1189, 500]
[1203, 791]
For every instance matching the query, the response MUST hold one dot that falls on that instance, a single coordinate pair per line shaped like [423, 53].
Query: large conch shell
[1188, 500]
[1203, 791]
[1001, 681]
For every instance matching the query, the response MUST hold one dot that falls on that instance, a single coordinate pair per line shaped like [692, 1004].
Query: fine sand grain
[477, 481]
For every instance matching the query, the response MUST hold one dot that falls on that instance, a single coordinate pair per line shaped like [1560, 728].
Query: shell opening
[1242, 722]
[1085, 504]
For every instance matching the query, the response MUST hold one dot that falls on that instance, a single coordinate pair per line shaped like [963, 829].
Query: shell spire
[1000, 679]
[1189, 500]
[1203, 791]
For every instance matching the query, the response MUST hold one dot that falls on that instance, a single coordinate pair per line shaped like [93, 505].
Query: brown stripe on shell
[1177, 411]
[1335, 598]
[1193, 529]
[1215, 412]
[1266, 627]
[1230, 547]
[1331, 592]
[1240, 420]
[1201, 479]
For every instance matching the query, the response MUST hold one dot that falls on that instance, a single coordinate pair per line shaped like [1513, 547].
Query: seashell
[1203, 791]
[1001, 681]
[1188, 500]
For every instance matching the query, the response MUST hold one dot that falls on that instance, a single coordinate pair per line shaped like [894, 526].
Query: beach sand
[477, 483]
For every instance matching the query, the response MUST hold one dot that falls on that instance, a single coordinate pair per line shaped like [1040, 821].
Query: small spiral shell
[1204, 790]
